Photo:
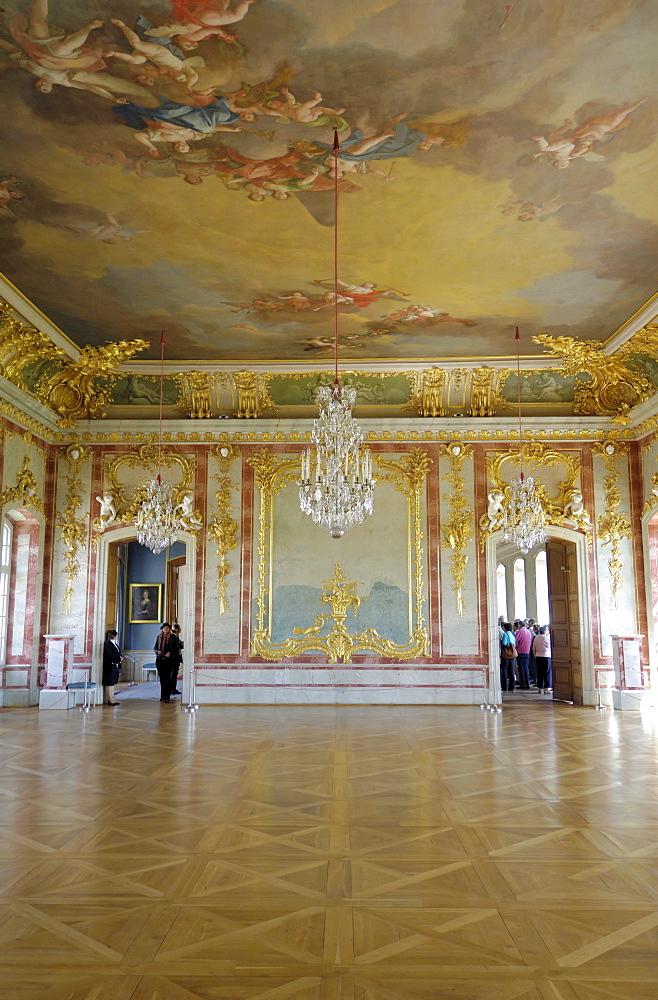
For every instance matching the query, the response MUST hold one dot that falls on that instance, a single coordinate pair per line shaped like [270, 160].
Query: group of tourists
[525, 655]
[168, 658]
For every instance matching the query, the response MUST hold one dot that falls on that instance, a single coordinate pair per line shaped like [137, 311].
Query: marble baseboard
[15, 698]
[211, 695]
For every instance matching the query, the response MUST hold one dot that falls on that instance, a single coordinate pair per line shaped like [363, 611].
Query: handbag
[509, 651]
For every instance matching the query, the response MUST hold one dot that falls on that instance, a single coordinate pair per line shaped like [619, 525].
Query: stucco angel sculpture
[495, 510]
[108, 512]
[187, 511]
[574, 509]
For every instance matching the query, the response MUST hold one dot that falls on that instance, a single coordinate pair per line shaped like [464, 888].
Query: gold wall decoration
[615, 386]
[223, 528]
[612, 526]
[564, 509]
[73, 392]
[482, 381]
[652, 501]
[74, 530]
[196, 394]
[21, 345]
[253, 396]
[24, 493]
[126, 504]
[458, 526]
[272, 474]
[428, 393]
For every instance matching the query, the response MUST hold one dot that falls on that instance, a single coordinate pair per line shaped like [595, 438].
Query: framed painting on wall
[145, 603]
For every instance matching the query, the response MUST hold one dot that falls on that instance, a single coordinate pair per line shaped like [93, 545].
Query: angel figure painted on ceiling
[567, 143]
[58, 59]
[160, 55]
[197, 20]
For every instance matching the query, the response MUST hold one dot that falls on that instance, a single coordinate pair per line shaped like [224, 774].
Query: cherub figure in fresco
[197, 20]
[423, 314]
[360, 295]
[9, 193]
[567, 143]
[60, 60]
[297, 301]
[167, 62]
[530, 211]
[109, 231]
[257, 305]
[306, 112]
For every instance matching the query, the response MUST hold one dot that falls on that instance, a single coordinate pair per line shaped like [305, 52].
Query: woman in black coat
[167, 659]
[111, 667]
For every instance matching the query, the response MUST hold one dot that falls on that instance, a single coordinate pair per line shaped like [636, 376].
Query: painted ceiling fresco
[165, 164]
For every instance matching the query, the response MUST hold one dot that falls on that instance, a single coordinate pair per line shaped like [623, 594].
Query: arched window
[541, 585]
[501, 589]
[519, 588]
[5, 571]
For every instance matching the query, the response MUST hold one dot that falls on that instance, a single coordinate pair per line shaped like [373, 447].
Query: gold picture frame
[145, 603]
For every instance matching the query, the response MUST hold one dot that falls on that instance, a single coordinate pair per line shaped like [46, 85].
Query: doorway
[567, 601]
[110, 596]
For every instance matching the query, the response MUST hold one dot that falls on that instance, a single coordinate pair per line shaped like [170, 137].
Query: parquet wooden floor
[338, 853]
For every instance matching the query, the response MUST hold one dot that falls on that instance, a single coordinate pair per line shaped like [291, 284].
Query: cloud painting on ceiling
[166, 164]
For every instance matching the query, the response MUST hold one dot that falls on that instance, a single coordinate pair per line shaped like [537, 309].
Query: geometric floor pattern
[328, 853]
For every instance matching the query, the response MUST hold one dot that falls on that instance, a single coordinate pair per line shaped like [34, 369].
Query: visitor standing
[542, 648]
[167, 658]
[523, 642]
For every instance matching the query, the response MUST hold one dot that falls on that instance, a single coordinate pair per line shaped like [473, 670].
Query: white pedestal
[628, 690]
[56, 698]
[59, 661]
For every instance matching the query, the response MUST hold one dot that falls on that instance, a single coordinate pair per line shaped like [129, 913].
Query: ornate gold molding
[24, 493]
[615, 387]
[124, 505]
[611, 525]
[73, 393]
[73, 530]
[21, 346]
[195, 394]
[564, 509]
[428, 393]
[458, 527]
[482, 382]
[223, 528]
[253, 395]
[272, 474]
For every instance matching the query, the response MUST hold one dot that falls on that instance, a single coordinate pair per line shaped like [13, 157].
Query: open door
[175, 572]
[112, 596]
[565, 621]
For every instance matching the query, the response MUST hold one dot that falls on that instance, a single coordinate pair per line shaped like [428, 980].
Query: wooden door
[112, 598]
[565, 621]
[173, 601]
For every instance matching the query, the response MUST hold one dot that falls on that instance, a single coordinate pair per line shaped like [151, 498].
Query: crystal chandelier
[157, 521]
[337, 485]
[523, 519]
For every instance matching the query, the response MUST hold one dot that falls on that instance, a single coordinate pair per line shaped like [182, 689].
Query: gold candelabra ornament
[337, 485]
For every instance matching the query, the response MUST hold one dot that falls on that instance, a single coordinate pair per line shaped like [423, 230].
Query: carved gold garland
[272, 474]
[21, 346]
[556, 509]
[458, 526]
[611, 525]
[24, 493]
[73, 530]
[223, 528]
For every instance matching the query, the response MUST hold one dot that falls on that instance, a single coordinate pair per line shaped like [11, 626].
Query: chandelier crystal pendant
[337, 485]
[157, 521]
[523, 520]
